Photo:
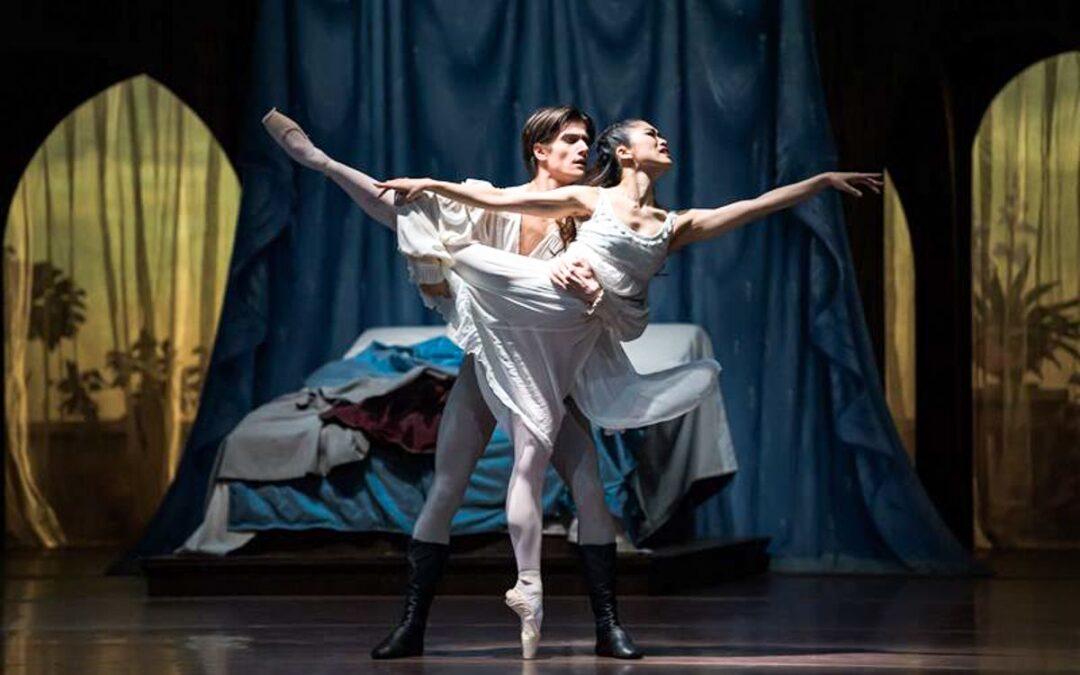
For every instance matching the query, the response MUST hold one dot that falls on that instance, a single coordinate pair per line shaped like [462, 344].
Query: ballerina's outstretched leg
[358, 185]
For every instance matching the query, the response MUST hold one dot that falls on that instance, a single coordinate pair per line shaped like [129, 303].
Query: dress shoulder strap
[669, 222]
[601, 200]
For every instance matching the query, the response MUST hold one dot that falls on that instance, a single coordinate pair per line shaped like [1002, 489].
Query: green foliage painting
[1026, 310]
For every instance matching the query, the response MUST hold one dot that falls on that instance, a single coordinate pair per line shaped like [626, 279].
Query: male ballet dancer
[555, 144]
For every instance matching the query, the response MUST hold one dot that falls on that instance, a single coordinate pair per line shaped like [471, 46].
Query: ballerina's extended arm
[571, 200]
[701, 224]
[574, 276]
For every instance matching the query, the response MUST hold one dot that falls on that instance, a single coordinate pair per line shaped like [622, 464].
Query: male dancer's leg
[574, 458]
[464, 431]
[466, 426]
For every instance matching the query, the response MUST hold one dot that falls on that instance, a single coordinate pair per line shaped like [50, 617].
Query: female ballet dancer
[535, 344]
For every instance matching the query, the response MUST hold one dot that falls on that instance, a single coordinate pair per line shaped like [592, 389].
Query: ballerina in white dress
[536, 344]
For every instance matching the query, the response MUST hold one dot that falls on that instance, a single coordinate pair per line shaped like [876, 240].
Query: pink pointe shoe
[294, 141]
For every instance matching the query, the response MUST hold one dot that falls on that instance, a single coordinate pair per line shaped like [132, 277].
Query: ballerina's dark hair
[606, 170]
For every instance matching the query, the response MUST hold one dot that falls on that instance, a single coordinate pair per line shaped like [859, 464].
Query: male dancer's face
[565, 157]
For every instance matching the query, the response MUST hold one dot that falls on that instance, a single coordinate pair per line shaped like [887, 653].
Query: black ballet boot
[611, 638]
[426, 562]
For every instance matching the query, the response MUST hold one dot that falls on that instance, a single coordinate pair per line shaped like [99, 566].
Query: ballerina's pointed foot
[279, 126]
[292, 139]
[529, 608]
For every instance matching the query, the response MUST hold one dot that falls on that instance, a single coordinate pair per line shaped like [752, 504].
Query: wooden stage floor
[61, 616]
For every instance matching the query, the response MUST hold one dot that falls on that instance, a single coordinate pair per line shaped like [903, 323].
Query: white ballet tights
[524, 511]
[358, 185]
[466, 426]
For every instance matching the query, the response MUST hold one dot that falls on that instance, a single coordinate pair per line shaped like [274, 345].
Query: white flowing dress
[534, 344]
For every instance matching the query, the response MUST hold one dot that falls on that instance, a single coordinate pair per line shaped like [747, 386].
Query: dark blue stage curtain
[426, 88]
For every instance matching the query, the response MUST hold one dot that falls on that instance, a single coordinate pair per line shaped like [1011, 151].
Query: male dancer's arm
[700, 224]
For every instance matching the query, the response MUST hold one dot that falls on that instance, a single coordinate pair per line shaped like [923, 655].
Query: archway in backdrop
[1025, 252]
[899, 269]
[116, 252]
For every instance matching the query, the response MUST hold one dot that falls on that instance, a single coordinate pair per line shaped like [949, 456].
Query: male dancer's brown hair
[544, 125]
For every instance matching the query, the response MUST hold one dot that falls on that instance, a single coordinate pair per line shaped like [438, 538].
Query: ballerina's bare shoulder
[645, 221]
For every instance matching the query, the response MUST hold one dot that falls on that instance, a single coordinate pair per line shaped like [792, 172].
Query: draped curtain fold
[441, 88]
[28, 516]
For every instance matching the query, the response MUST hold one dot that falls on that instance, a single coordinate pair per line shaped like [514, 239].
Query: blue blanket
[385, 492]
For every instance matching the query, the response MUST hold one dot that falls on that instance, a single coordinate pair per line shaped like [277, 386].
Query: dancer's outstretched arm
[701, 224]
[357, 184]
[571, 200]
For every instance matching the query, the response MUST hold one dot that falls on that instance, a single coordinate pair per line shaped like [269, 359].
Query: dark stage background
[905, 84]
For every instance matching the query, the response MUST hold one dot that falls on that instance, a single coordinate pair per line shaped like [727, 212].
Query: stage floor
[61, 616]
